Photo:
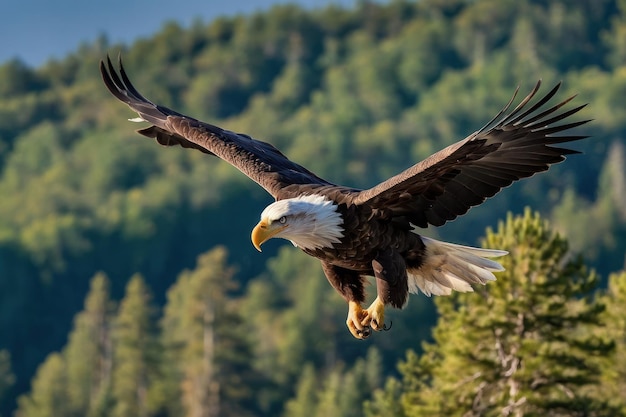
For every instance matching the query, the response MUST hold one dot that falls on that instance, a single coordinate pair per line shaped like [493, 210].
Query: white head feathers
[313, 221]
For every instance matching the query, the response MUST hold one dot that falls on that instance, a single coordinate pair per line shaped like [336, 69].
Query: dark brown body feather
[373, 245]
[377, 222]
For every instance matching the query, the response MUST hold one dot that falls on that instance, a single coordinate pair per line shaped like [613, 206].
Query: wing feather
[259, 160]
[511, 146]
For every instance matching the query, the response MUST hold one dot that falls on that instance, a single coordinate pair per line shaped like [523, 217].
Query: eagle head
[309, 222]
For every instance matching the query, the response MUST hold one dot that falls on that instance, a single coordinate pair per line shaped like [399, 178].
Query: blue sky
[37, 30]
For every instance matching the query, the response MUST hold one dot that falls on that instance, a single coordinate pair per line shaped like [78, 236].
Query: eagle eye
[282, 220]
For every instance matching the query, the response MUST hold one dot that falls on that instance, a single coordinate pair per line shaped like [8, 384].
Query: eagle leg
[356, 316]
[350, 285]
[391, 287]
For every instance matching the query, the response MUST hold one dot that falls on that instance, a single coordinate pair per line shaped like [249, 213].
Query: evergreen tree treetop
[519, 347]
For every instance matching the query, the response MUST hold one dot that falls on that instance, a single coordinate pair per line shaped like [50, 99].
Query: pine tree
[206, 358]
[613, 375]
[359, 383]
[285, 331]
[339, 392]
[75, 382]
[329, 396]
[134, 352]
[519, 346]
[88, 354]
[48, 397]
[305, 400]
[386, 402]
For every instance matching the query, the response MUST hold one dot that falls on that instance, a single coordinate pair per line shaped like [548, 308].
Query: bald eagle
[359, 233]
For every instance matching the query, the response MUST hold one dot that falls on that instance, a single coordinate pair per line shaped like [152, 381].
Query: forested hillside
[128, 283]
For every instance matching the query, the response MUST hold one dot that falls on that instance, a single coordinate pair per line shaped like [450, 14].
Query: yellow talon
[375, 316]
[356, 316]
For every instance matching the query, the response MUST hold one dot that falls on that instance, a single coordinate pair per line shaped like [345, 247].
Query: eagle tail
[448, 267]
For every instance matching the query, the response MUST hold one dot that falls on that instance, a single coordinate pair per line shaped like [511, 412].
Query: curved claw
[387, 328]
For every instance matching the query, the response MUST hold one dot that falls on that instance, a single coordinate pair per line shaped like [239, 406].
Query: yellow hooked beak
[265, 231]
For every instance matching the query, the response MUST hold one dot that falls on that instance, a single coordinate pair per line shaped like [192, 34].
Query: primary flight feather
[359, 233]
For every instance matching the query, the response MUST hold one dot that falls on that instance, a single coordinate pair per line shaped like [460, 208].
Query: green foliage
[521, 346]
[206, 358]
[602, 231]
[81, 373]
[341, 392]
[49, 397]
[386, 402]
[89, 353]
[373, 89]
[613, 370]
[135, 352]
[305, 400]
[292, 317]
[17, 79]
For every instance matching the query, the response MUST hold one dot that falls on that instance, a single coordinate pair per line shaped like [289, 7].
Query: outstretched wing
[259, 160]
[508, 148]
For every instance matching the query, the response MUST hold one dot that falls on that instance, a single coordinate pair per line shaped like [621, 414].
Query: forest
[128, 283]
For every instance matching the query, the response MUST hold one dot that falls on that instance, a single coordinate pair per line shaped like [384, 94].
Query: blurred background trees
[356, 95]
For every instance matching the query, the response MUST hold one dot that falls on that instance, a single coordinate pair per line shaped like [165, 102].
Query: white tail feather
[448, 267]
